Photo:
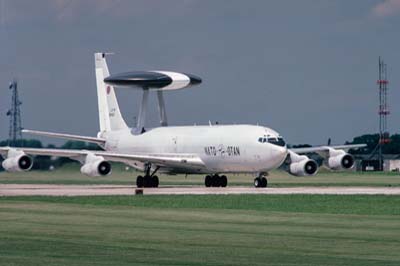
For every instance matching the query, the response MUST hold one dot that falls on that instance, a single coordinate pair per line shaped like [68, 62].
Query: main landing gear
[216, 181]
[149, 179]
[260, 181]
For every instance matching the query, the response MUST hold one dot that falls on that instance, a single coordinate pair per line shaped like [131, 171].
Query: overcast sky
[307, 68]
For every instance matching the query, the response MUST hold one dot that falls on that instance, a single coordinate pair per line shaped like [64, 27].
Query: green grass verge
[335, 204]
[200, 230]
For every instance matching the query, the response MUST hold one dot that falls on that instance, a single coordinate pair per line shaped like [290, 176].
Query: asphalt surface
[92, 190]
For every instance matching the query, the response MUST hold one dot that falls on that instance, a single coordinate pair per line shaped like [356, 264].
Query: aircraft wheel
[208, 181]
[139, 181]
[148, 181]
[216, 181]
[223, 181]
[257, 182]
[154, 180]
[264, 182]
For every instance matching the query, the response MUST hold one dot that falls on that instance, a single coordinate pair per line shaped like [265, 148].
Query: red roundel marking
[108, 89]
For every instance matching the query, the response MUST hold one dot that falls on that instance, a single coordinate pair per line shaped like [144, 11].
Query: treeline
[372, 140]
[48, 162]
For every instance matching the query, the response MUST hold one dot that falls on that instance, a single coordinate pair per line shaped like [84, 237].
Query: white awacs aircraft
[213, 150]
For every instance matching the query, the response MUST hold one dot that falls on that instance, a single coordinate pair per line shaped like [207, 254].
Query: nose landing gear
[216, 181]
[260, 181]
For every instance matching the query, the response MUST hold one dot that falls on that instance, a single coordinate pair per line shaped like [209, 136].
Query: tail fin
[109, 114]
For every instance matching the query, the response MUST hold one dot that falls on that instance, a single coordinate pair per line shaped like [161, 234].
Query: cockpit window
[273, 140]
[277, 141]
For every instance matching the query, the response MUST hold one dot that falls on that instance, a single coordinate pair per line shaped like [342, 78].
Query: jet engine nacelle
[306, 167]
[340, 161]
[301, 165]
[17, 161]
[95, 166]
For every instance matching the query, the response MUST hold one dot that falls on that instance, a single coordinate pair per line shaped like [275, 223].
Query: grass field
[200, 230]
[71, 175]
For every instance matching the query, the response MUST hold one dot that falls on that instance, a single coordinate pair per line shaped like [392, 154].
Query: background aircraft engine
[305, 167]
[342, 161]
[95, 166]
[17, 161]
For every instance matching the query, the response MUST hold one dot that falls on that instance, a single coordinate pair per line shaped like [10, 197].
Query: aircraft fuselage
[222, 148]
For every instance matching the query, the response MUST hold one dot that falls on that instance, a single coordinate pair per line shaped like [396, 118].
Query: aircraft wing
[318, 149]
[99, 141]
[182, 161]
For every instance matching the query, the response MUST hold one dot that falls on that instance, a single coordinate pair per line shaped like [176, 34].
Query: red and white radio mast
[384, 136]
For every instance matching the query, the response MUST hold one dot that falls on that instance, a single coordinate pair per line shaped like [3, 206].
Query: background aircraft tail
[109, 114]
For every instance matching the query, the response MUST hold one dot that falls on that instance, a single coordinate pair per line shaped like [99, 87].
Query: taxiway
[103, 190]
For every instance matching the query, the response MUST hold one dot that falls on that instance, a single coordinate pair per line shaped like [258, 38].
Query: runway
[105, 190]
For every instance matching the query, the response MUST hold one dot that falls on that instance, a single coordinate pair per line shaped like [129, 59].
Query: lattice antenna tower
[15, 127]
[384, 136]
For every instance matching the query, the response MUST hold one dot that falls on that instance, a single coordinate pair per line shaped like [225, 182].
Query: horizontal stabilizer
[66, 136]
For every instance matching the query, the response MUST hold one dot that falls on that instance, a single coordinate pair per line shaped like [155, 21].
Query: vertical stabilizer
[110, 117]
